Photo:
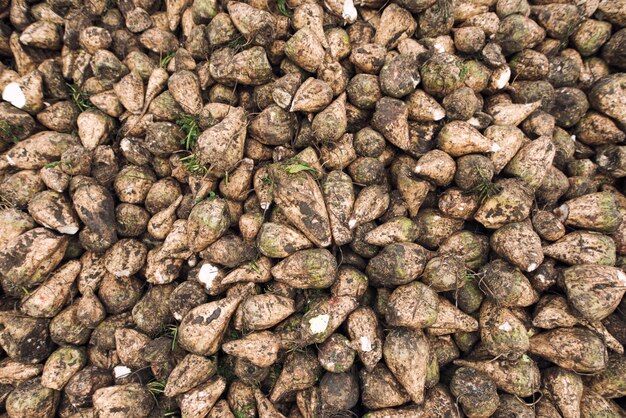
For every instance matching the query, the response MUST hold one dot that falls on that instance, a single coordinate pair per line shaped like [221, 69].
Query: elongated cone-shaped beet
[48, 299]
[191, 371]
[610, 383]
[201, 330]
[451, 319]
[436, 166]
[397, 264]
[519, 377]
[366, 336]
[261, 349]
[391, 120]
[606, 96]
[406, 354]
[594, 290]
[380, 389]
[459, 138]
[323, 319]
[62, 365]
[370, 204]
[263, 311]
[207, 222]
[531, 163]
[28, 258]
[131, 399]
[13, 372]
[398, 229]
[280, 241]
[299, 372]
[582, 247]
[160, 225]
[184, 86]
[501, 332]
[305, 49]
[54, 211]
[526, 256]
[412, 190]
[307, 269]
[565, 389]
[299, 196]
[511, 204]
[476, 393]
[221, 146]
[512, 114]
[310, 15]
[255, 272]
[95, 207]
[510, 139]
[198, 402]
[593, 211]
[255, 25]
[574, 349]
[130, 92]
[330, 124]
[39, 149]
[424, 108]
[312, 96]
[339, 198]
[506, 285]
[414, 305]
[396, 24]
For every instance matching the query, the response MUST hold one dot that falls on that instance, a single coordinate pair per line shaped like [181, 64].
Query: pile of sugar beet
[304, 209]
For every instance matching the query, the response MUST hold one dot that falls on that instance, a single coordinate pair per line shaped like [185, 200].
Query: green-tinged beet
[574, 349]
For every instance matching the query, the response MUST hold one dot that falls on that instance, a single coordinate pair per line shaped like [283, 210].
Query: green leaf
[166, 59]
[296, 168]
[193, 166]
[79, 97]
[282, 7]
[191, 130]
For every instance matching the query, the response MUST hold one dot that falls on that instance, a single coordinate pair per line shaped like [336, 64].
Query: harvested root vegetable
[313, 208]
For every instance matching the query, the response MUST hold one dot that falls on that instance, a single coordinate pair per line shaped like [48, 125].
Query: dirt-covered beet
[313, 209]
